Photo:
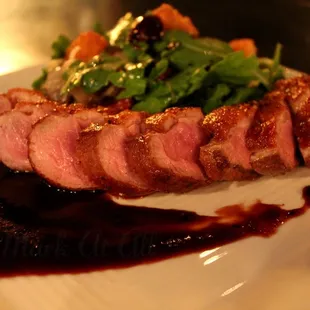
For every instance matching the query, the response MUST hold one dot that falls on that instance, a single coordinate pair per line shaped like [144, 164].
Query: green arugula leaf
[270, 70]
[132, 53]
[244, 94]
[170, 92]
[134, 83]
[214, 44]
[215, 97]
[37, 84]
[99, 65]
[117, 78]
[276, 71]
[161, 46]
[204, 46]
[153, 104]
[183, 50]
[160, 68]
[137, 55]
[235, 69]
[95, 80]
[133, 87]
[60, 46]
[263, 77]
[136, 72]
[183, 58]
[109, 62]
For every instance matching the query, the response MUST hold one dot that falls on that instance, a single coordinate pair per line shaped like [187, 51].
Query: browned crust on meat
[218, 123]
[302, 127]
[164, 121]
[217, 126]
[219, 168]
[293, 88]
[125, 115]
[297, 95]
[262, 135]
[159, 179]
[28, 108]
[269, 165]
[11, 94]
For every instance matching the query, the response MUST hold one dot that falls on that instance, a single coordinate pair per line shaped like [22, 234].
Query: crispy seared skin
[16, 95]
[270, 138]
[225, 156]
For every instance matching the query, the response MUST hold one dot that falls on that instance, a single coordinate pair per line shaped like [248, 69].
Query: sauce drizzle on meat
[45, 231]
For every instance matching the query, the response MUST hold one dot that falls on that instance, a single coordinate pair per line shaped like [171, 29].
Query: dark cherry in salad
[149, 29]
[44, 230]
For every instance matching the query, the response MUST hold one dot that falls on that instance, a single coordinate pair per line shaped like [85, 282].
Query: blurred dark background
[27, 28]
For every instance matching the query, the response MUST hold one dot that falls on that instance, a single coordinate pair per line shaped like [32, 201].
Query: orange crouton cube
[173, 19]
[246, 45]
[86, 46]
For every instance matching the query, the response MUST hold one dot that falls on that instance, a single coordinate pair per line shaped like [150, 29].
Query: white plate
[255, 273]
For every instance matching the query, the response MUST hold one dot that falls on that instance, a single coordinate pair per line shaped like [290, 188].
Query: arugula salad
[156, 61]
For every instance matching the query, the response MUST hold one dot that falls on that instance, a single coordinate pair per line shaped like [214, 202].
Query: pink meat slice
[15, 127]
[52, 148]
[5, 104]
[103, 153]
[225, 157]
[167, 155]
[270, 138]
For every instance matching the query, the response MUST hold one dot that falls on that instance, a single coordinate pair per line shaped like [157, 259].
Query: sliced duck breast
[167, 155]
[297, 92]
[103, 153]
[225, 157]
[270, 138]
[16, 95]
[15, 127]
[52, 148]
[5, 104]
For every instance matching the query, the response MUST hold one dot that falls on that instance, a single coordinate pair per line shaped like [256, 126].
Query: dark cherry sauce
[44, 231]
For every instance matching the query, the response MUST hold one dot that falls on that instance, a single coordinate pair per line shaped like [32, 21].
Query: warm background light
[27, 28]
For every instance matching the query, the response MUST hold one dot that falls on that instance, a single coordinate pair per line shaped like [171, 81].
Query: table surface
[27, 28]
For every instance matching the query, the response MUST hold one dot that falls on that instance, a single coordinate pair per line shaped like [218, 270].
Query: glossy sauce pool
[44, 231]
